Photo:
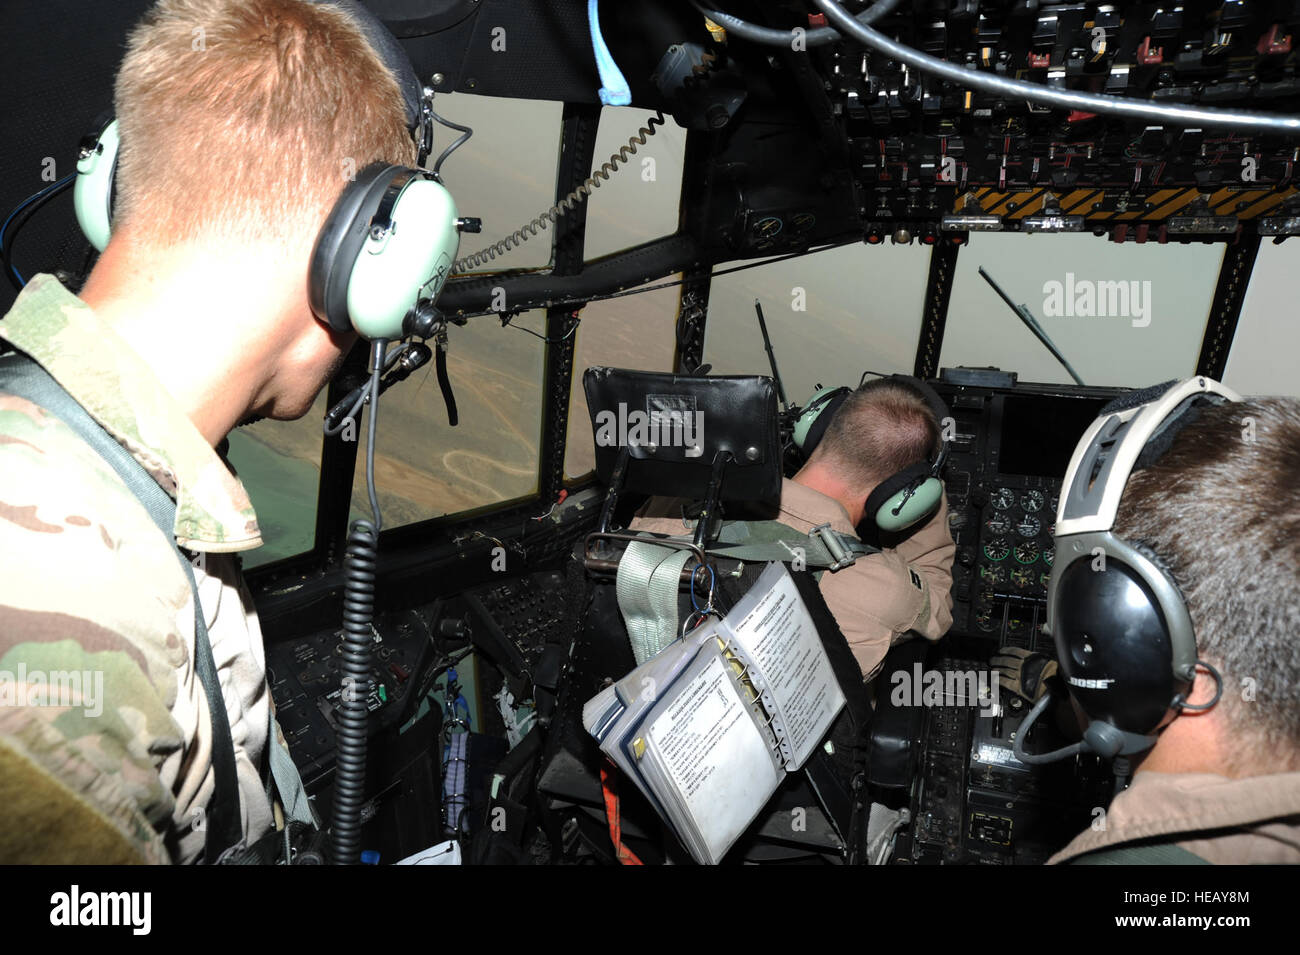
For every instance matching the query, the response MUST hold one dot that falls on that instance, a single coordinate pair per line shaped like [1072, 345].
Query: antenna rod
[1026, 316]
[771, 355]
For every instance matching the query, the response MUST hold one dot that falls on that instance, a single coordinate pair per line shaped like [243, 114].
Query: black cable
[19, 218]
[567, 204]
[437, 164]
[506, 323]
[444, 383]
[1039, 759]
[359, 571]
[773, 37]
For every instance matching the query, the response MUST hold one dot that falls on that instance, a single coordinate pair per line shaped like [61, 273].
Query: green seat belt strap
[647, 583]
[771, 540]
[1151, 853]
[22, 376]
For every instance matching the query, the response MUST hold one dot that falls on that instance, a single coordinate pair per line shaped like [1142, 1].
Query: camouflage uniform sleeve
[90, 606]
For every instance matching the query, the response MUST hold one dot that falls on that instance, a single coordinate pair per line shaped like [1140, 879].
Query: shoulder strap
[1150, 853]
[649, 577]
[22, 376]
[771, 540]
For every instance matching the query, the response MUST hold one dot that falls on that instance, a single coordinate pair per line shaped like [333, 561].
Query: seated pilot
[1219, 513]
[878, 431]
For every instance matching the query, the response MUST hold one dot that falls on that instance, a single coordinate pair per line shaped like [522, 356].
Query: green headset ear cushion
[812, 423]
[92, 193]
[917, 508]
[888, 508]
[408, 263]
[340, 240]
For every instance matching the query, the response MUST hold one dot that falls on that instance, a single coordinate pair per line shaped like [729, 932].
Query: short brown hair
[1221, 508]
[879, 430]
[243, 119]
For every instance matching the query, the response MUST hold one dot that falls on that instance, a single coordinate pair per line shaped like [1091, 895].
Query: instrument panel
[1004, 473]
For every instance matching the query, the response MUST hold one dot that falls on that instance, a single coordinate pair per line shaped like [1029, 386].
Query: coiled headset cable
[359, 572]
[565, 205]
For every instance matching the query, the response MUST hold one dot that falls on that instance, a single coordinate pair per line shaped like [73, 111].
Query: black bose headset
[906, 498]
[1123, 634]
[385, 248]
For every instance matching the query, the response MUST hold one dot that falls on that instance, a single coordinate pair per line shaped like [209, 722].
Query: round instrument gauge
[1044, 577]
[1049, 555]
[1027, 552]
[997, 549]
[1032, 502]
[1022, 578]
[1003, 499]
[1053, 502]
[993, 574]
[998, 524]
[1029, 526]
[985, 622]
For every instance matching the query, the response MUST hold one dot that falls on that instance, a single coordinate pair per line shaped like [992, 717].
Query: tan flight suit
[878, 599]
[115, 766]
[1225, 821]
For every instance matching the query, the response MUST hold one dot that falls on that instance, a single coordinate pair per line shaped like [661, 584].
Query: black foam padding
[1160, 441]
[1135, 398]
[339, 242]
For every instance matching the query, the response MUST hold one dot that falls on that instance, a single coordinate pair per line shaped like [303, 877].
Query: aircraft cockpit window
[830, 315]
[1253, 365]
[1120, 314]
[632, 331]
[279, 463]
[424, 468]
[639, 201]
[504, 173]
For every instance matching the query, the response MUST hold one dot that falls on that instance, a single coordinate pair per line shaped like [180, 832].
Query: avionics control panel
[1004, 473]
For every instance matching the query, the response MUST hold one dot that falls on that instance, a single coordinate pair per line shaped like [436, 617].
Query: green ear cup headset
[92, 193]
[912, 495]
[386, 247]
[903, 499]
[816, 415]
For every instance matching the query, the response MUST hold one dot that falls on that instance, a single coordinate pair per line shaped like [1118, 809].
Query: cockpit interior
[1032, 206]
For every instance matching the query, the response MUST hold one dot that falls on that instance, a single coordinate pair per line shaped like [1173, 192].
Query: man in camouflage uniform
[195, 317]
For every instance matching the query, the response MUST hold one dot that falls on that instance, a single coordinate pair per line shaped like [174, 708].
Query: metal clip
[830, 539]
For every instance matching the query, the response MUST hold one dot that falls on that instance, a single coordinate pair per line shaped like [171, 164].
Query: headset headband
[1110, 449]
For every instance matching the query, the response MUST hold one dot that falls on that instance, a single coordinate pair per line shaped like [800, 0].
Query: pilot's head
[880, 430]
[241, 121]
[1221, 510]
